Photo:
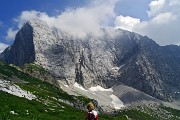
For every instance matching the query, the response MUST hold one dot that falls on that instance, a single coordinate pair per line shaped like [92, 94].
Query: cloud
[163, 23]
[3, 46]
[126, 23]
[11, 34]
[156, 6]
[161, 26]
[79, 21]
[164, 18]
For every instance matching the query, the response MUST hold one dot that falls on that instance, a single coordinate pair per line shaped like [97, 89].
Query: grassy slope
[47, 106]
[36, 110]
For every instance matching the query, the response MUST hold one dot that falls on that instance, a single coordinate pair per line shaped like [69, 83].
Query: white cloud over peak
[11, 34]
[79, 21]
[163, 29]
[126, 23]
[156, 6]
[28, 15]
[164, 18]
[163, 23]
[163, 6]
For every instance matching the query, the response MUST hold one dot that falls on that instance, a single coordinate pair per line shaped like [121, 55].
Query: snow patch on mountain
[79, 86]
[10, 88]
[118, 104]
[103, 96]
[99, 88]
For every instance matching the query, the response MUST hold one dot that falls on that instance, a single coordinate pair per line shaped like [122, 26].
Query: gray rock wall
[116, 56]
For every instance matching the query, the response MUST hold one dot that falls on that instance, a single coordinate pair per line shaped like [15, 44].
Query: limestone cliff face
[116, 56]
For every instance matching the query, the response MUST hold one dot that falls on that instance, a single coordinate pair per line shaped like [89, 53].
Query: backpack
[92, 115]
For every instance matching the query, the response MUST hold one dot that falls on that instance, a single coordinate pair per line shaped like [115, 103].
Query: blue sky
[157, 19]
[10, 9]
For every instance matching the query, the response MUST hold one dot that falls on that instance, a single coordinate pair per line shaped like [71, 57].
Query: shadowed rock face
[22, 50]
[116, 56]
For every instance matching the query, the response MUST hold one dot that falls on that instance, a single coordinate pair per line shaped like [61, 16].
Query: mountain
[117, 56]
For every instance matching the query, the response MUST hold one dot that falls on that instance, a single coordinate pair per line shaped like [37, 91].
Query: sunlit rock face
[113, 57]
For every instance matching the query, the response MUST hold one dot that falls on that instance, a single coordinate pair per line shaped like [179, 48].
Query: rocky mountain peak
[116, 56]
[37, 23]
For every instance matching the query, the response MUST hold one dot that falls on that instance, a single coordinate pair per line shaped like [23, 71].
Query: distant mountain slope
[116, 56]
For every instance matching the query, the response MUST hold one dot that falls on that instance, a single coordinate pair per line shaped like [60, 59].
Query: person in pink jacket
[91, 114]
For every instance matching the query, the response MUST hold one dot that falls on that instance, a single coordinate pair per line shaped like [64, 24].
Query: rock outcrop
[22, 50]
[116, 56]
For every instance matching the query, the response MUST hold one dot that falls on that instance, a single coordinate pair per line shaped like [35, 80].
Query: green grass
[138, 115]
[45, 92]
[33, 67]
[39, 111]
[49, 105]
[172, 111]
[46, 107]
[36, 110]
